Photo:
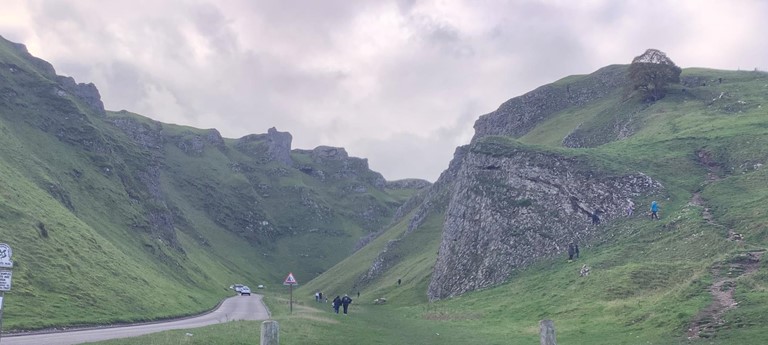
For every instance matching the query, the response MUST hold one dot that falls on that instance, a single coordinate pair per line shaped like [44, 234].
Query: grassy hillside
[116, 217]
[650, 281]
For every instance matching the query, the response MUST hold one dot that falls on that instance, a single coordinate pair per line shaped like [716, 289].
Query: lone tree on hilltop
[652, 72]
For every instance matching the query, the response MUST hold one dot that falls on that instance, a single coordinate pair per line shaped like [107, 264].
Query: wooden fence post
[547, 332]
[270, 333]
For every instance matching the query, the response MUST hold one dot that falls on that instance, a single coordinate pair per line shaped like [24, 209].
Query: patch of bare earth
[710, 319]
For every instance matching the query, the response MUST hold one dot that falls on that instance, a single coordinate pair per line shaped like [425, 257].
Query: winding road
[233, 308]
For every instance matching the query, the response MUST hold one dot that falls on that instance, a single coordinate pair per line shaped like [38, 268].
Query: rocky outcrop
[519, 115]
[324, 153]
[87, 93]
[279, 146]
[511, 206]
[213, 137]
[273, 146]
[141, 133]
[334, 162]
[194, 144]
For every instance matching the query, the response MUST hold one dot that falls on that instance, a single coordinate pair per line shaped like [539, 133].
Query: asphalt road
[234, 308]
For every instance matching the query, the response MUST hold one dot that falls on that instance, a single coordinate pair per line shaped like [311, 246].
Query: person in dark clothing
[345, 301]
[320, 295]
[336, 304]
[576, 249]
[398, 281]
[571, 251]
[595, 218]
[358, 294]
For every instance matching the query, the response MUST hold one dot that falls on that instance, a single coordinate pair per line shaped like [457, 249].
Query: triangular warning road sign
[290, 280]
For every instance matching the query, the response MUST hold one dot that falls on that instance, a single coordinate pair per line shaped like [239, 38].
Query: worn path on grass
[234, 308]
[726, 274]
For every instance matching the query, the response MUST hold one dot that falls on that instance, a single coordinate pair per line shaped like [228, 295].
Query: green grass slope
[116, 217]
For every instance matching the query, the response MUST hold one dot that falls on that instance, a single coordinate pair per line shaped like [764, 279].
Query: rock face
[511, 206]
[519, 115]
[194, 144]
[273, 146]
[322, 153]
[343, 167]
[279, 144]
[87, 93]
[141, 133]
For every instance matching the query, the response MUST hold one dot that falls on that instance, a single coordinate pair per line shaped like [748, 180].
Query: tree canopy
[651, 72]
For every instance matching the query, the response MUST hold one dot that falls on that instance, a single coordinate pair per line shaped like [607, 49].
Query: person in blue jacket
[654, 210]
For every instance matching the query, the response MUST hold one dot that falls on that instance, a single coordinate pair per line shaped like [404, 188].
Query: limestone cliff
[512, 205]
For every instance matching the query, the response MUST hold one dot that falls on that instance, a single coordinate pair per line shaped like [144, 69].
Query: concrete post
[547, 332]
[270, 333]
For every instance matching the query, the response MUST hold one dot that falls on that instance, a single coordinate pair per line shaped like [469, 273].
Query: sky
[399, 82]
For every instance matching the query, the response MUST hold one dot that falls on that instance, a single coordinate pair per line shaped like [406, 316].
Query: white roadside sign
[5, 280]
[5, 256]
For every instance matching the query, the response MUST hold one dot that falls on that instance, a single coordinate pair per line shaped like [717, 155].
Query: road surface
[234, 308]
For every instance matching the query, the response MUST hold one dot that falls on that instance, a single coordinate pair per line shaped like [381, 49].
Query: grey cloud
[404, 100]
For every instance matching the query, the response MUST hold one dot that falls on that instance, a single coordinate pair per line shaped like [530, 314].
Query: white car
[245, 291]
[238, 287]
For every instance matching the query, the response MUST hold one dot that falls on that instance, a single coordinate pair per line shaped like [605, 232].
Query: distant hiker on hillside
[336, 304]
[654, 210]
[399, 281]
[630, 207]
[317, 296]
[320, 297]
[358, 294]
[345, 301]
[571, 251]
[596, 217]
[576, 249]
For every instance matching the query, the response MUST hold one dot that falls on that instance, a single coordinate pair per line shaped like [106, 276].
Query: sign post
[5, 277]
[290, 281]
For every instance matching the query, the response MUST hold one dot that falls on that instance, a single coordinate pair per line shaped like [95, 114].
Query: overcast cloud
[399, 82]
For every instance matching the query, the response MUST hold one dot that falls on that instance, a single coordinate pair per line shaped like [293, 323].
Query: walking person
[345, 301]
[320, 297]
[317, 296]
[336, 304]
[571, 251]
[654, 210]
[576, 249]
